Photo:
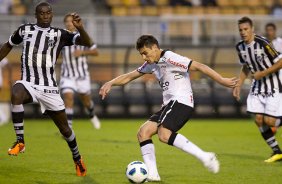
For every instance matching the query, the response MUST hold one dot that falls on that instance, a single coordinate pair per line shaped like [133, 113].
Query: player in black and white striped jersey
[256, 53]
[75, 76]
[41, 47]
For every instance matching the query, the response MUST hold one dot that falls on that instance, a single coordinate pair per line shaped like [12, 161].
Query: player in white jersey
[75, 76]
[3, 116]
[172, 72]
[42, 44]
[264, 100]
[270, 33]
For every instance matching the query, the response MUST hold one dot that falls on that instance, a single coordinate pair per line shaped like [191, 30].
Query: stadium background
[206, 33]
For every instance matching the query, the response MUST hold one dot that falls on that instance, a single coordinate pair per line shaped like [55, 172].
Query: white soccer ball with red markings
[136, 172]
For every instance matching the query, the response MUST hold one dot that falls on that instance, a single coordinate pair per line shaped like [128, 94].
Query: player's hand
[236, 92]
[77, 53]
[105, 89]
[258, 75]
[229, 82]
[76, 20]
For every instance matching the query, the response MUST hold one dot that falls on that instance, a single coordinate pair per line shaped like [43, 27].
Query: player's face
[270, 32]
[68, 24]
[246, 32]
[44, 16]
[150, 55]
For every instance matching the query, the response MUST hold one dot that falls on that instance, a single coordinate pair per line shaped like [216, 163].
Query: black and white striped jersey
[258, 56]
[41, 48]
[74, 67]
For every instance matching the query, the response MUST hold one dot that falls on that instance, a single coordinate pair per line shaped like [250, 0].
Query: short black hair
[245, 20]
[270, 24]
[146, 40]
[42, 4]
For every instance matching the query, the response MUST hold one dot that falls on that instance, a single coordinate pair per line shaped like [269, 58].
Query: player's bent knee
[143, 134]
[163, 136]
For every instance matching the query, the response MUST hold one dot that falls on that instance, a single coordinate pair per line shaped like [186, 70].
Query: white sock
[277, 122]
[187, 146]
[149, 157]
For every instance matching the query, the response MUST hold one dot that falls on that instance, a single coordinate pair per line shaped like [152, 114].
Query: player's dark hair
[66, 16]
[245, 20]
[270, 24]
[37, 8]
[147, 41]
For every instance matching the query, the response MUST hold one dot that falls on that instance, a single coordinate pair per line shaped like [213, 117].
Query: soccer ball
[136, 172]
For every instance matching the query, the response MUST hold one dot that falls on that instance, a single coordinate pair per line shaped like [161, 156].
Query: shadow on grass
[244, 156]
[83, 180]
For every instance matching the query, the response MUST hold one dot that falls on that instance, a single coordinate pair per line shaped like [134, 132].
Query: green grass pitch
[107, 152]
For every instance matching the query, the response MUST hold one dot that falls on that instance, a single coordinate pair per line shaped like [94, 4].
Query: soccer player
[270, 33]
[172, 72]
[41, 47]
[3, 116]
[264, 100]
[75, 76]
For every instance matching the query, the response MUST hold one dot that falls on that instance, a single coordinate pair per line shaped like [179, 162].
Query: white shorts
[267, 105]
[48, 97]
[79, 85]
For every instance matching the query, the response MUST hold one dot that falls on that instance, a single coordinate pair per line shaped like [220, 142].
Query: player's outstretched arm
[228, 82]
[89, 52]
[274, 68]
[5, 50]
[119, 81]
[242, 76]
[84, 38]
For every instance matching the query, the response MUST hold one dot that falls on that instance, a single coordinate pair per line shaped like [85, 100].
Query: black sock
[73, 147]
[17, 118]
[269, 138]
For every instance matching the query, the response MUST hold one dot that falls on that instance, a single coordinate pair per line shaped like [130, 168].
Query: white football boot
[95, 122]
[211, 163]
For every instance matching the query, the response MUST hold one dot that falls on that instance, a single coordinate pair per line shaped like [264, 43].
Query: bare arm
[5, 50]
[228, 82]
[90, 52]
[242, 76]
[84, 38]
[119, 81]
[274, 68]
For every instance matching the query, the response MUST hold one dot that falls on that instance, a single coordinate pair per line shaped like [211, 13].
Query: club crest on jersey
[51, 43]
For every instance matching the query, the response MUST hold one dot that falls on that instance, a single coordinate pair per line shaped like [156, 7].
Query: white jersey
[172, 73]
[2, 64]
[277, 43]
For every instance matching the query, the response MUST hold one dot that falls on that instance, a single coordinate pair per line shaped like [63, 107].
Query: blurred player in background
[172, 72]
[270, 33]
[3, 117]
[264, 100]
[75, 76]
[41, 47]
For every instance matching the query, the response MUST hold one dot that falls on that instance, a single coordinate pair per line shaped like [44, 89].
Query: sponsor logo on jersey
[177, 64]
[54, 91]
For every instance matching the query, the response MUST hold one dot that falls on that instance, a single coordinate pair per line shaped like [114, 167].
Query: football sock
[181, 142]
[17, 118]
[71, 140]
[278, 122]
[269, 138]
[69, 112]
[149, 157]
[90, 110]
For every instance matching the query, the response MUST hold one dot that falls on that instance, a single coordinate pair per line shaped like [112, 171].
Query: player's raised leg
[181, 142]
[19, 97]
[60, 119]
[145, 133]
[90, 107]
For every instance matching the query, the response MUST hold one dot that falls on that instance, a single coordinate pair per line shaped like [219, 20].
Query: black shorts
[173, 116]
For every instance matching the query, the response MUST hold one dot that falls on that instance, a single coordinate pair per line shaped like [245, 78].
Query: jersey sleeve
[271, 52]
[145, 68]
[69, 38]
[241, 60]
[17, 37]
